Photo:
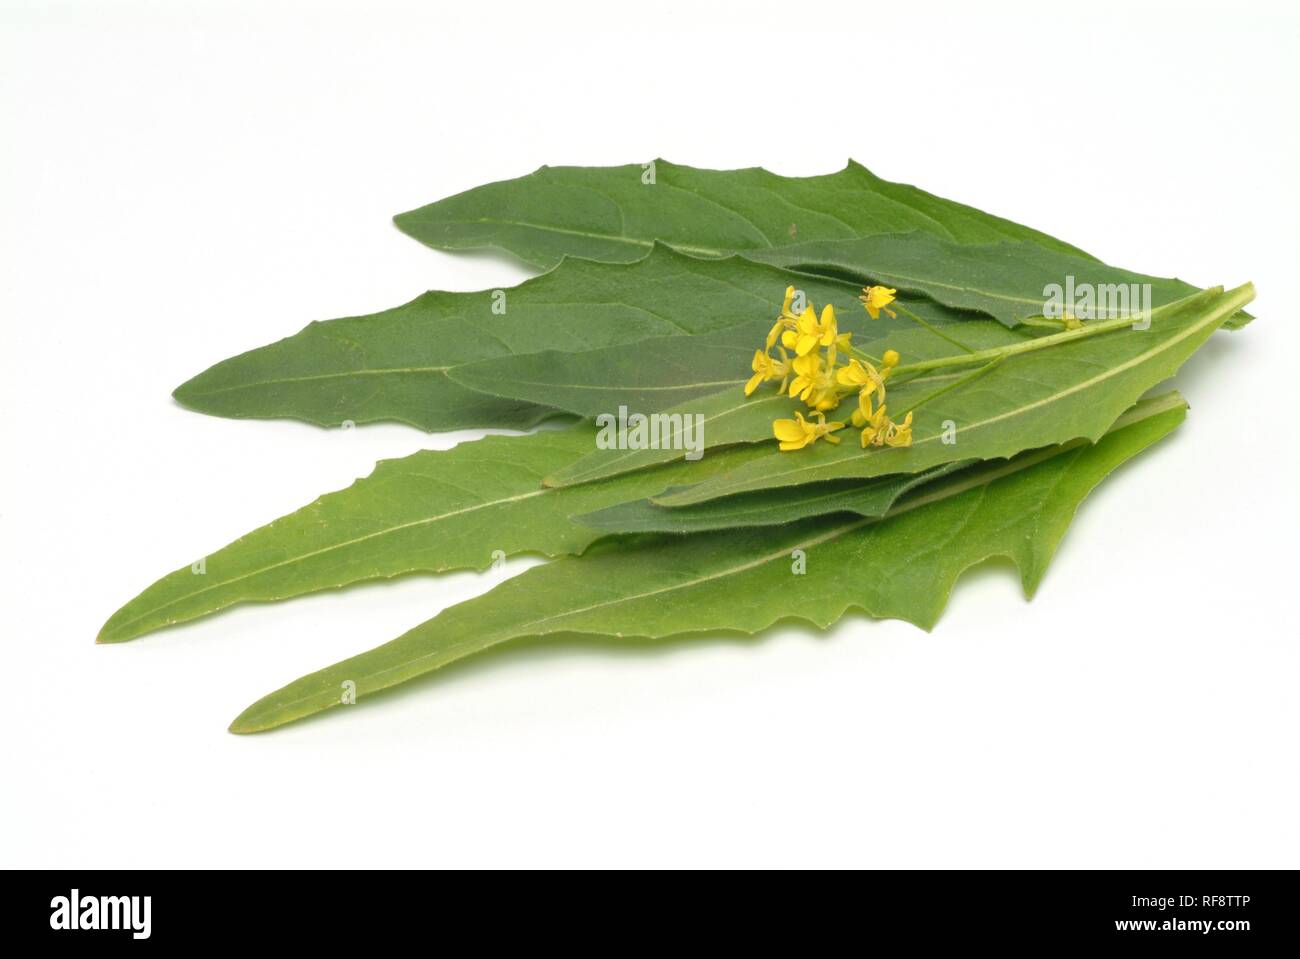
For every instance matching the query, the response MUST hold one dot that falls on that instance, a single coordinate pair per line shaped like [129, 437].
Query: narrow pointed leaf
[729, 416]
[613, 214]
[725, 418]
[873, 497]
[1031, 400]
[1074, 389]
[668, 372]
[903, 566]
[394, 365]
[647, 376]
[430, 512]
[1004, 280]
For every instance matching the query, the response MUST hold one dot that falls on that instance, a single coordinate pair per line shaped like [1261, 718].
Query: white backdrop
[180, 182]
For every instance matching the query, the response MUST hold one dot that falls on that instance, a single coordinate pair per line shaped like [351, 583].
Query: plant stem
[960, 381]
[863, 355]
[1026, 346]
[920, 322]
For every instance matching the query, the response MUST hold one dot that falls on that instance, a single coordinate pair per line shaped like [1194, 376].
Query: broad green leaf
[903, 567]
[613, 214]
[646, 376]
[1073, 389]
[729, 416]
[872, 497]
[725, 418]
[425, 513]
[669, 372]
[1004, 280]
[394, 365]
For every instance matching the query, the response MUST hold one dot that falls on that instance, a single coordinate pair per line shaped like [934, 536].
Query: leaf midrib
[303, 557]
[631, 389]
[592, 235]
[385, 371]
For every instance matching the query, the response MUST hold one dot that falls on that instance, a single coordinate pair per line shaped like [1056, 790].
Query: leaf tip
[109, 634]
[247, 723]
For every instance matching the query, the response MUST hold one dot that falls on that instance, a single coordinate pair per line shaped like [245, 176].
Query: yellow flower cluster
[816, 376]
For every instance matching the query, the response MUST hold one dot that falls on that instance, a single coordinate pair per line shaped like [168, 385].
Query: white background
[180, 182]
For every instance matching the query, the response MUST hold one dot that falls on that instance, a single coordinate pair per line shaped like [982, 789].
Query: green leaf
[729, 416]
[612, 214]
[1073, 389]
[647, 376]
[1004, 280]
[669, 372]
[903, 567]
[1035, 399]
[425, 513]
[725, 418]
[394, 365]
[872, 497]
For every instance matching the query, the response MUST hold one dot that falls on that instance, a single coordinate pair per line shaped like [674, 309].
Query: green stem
[863, 355]
[960, 381]
[1042, 322]
[943, 336]
[1025, 346]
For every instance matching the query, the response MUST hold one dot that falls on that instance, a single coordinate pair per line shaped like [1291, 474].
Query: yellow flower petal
[853, 375]
[788, 431]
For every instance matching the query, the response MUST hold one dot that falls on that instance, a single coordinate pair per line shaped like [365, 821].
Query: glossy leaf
[903, 567]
